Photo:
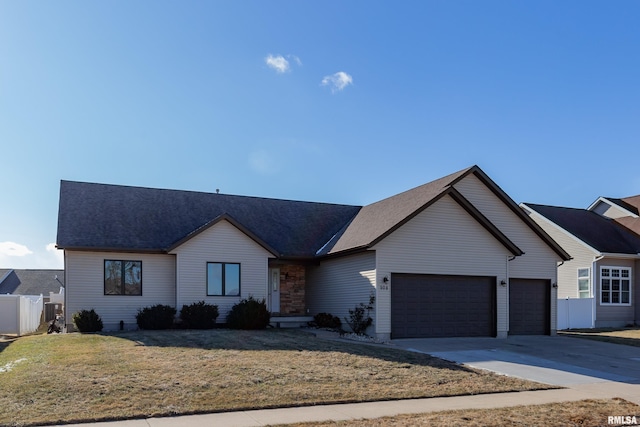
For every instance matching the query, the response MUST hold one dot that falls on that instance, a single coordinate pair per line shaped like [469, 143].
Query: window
[584, 288]
[223, 279]
[122, 277]
[615, 285]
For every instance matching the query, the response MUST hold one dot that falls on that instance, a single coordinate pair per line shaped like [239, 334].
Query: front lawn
[626, 336]
[48, 379]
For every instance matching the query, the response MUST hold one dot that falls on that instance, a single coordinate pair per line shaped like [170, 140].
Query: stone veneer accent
[292, 286]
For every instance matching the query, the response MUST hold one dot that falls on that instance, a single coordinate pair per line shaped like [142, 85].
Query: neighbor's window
[584, 288]
[122, 277]
[223, 279]
[615, 285]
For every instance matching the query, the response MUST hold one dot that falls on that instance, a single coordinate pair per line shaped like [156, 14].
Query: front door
[274, 290]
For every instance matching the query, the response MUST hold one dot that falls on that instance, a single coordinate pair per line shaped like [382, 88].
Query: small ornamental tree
[359, 319]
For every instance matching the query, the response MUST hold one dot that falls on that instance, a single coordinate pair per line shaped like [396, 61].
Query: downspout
[507, 278]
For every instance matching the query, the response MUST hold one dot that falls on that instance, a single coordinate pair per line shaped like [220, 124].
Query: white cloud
[58, 254]
[282, 64]
[278, 63]
[14, 249]
[337, 81]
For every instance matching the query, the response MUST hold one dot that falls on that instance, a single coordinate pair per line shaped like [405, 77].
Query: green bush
[199, 315]
[326, 320]
[87, 321]
[249, 314]
[156, 317]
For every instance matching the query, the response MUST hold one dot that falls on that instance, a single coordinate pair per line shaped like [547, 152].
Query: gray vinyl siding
[339, 284]
[443, 239]
[581, 254]
[223, 242]
[84, 277]
[539, 260]
[615, 315]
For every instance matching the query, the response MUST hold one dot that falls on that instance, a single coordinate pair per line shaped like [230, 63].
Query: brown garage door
[529, 307]
[442, 306]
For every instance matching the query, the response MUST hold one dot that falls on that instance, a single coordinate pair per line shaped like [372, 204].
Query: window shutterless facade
[584, 283]
[122, 277]
[223, 279]
[615, 285]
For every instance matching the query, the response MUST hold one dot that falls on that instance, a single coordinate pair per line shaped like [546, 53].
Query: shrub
[249, 314]
[87, 321]
[199, 315]
[326, 320]
[359, 319]
[156, 317]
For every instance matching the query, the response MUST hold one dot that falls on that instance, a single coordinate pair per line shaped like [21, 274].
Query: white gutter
[615, 255]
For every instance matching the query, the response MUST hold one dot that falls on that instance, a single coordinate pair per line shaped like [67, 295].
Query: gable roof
[113, 217]
[376, 221]
[629, 204]
[30, 282]
[601, 233]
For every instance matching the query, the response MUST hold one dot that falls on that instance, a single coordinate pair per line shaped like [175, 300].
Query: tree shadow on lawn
[281, 340]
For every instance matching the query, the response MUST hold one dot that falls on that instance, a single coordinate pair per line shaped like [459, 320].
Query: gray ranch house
[454, 257]
[605, 247]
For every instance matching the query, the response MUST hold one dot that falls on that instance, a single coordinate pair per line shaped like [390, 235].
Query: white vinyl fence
[576, 313]
[20, 314]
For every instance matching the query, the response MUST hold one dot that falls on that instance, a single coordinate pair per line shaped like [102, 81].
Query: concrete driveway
[558, 360]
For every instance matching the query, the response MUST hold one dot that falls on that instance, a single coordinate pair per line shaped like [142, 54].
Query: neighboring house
[606, 256]
[454, 257]
[31, 282]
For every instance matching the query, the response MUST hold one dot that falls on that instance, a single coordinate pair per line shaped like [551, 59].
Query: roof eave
[232, 221]
[520, 213]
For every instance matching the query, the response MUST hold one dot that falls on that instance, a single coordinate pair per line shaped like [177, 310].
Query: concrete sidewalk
[368, 410]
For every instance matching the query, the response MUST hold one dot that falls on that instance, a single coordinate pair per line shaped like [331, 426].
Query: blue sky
[342, 102]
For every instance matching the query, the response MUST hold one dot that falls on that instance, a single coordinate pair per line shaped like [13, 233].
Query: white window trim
[588, 278]
[614, 267]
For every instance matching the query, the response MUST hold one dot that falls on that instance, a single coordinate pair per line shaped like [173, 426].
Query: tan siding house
[454, 257]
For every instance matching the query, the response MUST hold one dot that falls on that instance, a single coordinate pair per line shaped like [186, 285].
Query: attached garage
[529, 307]
[424, 306]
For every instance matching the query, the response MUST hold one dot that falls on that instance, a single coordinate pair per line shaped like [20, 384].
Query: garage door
[442, 306]
[529, 307]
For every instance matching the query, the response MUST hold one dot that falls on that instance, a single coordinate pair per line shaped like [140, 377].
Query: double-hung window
[223, 279]
[615, 285]
[122, 277]
[584, 283]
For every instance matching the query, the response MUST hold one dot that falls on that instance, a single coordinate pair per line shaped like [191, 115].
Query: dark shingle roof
[378, 219]
[599, 232]
[30, 282]
[113, 217]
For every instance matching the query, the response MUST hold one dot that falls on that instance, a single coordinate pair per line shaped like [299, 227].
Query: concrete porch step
[289, 321]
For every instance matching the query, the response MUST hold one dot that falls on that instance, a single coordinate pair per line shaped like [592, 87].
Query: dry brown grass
[77, 377]
[585, 413]
[626, 336]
